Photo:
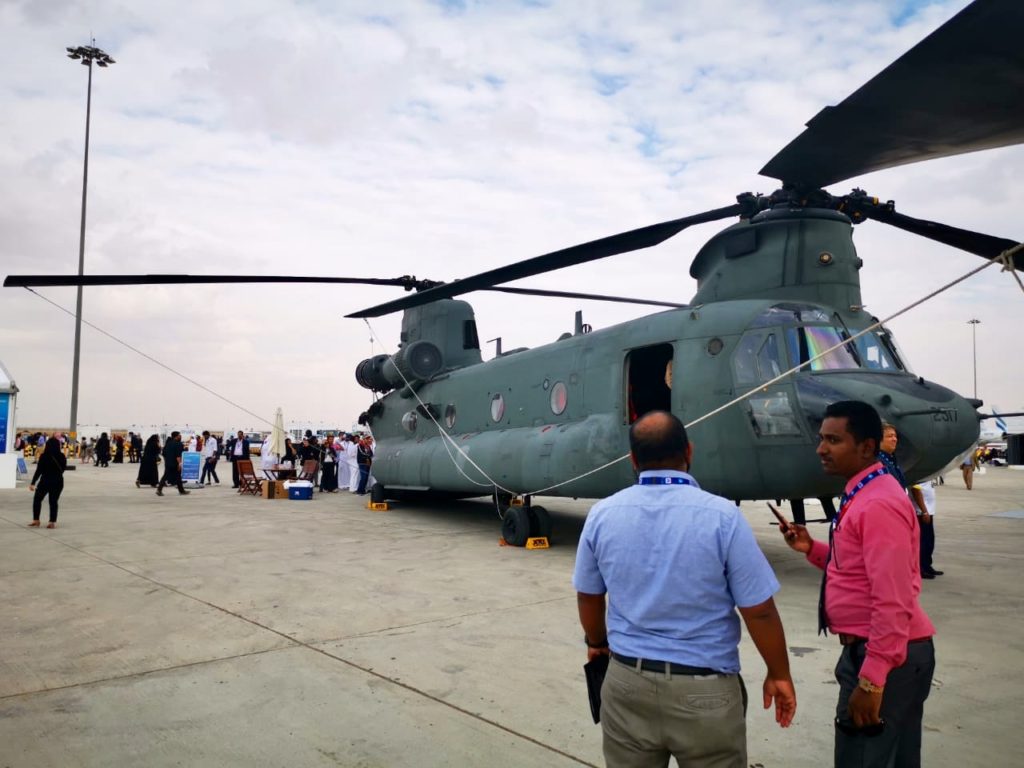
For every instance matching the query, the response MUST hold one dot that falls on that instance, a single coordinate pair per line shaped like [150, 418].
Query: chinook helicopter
[776, 288]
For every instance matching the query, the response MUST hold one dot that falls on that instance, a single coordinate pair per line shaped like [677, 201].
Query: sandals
[34, 524]
[51, 525]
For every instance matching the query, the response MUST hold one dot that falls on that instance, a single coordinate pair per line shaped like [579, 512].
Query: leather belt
[650, 665]
[845, 639]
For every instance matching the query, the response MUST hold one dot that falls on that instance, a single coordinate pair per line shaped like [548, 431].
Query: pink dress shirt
[874, 576]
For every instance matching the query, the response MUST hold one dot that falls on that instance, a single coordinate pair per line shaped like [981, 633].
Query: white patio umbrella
[277, 436]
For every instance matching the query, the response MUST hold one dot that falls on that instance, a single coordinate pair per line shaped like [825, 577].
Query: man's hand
[593, 653]
[781, 691]
[926, 519]
[797, 537]
[864, 707]
[32, 487]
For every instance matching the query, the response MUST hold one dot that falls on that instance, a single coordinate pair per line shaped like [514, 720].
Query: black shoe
[159, 492]
[183, 493]
[928, 575]
[933, 573]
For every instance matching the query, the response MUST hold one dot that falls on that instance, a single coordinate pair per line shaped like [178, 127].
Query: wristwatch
[602, 644]
[868, 687]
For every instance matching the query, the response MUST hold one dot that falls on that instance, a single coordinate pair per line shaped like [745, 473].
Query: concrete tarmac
[217, 630]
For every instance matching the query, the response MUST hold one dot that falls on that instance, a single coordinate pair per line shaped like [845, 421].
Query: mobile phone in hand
[778, 515]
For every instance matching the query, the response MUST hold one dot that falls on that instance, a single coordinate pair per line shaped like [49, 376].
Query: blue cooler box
[300, 494]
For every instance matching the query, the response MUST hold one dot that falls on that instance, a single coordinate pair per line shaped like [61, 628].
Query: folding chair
[308, 471]
[247, 480]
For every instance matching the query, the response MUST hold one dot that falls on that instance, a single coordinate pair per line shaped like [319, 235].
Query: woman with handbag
[50, 476]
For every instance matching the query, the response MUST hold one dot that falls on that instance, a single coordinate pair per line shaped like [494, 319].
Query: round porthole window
[449, 415]
[409, 421]
[715, 346]
[497, 407]
[559, 398]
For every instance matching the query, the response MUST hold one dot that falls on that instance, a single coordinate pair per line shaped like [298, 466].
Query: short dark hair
[657, 438]
[862, 421]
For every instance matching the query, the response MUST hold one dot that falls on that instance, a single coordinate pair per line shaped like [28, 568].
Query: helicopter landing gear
[502, 501]
[522, 522]
[540, 522]
[515, 526]
[378, 494]
[796, 506]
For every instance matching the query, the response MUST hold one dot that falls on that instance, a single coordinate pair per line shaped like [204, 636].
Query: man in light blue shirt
[675, 563]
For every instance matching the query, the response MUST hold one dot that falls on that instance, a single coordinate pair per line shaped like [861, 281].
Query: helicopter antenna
[497, 345]
[581, 327]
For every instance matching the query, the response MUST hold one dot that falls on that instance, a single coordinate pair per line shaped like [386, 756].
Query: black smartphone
[778, 515]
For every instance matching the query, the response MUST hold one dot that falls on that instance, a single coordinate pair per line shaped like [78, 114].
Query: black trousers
[927, 543]
[210, 468]
[234, 473]
[906, 688]
[51, 488]
[171, 477]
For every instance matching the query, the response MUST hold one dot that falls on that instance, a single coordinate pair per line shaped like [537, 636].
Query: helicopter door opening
[649, 380]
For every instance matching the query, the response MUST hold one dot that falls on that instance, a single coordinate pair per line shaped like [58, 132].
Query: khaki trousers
[646, 717]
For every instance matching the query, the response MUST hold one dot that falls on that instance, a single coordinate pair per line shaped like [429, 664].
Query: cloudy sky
[436, 139]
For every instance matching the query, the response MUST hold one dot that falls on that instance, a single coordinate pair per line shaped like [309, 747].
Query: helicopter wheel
[378, 494]
[540, 522]
[515, 526]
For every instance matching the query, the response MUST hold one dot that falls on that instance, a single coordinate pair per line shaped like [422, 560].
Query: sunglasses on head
[873, 729]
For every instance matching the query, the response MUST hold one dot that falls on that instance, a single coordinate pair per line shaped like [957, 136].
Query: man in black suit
[172, 464]
[239, 449]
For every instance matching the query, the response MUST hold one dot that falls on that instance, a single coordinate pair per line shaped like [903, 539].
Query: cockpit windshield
[808, 342]
[822, 341]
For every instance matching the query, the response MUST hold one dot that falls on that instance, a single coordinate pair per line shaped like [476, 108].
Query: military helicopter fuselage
[773, 291]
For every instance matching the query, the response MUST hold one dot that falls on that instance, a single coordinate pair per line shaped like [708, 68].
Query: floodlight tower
[86, 54]
[974, 323]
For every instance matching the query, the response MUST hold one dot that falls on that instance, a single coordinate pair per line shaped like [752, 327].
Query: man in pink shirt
[869, 598]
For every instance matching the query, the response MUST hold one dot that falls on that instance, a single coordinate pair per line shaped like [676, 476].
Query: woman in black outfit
[329, 464]
[50, 468]
[118, 450]
[103, 451]
[289, 451]
[148, 472]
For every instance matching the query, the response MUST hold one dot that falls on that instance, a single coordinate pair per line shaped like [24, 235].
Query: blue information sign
[5, 413]
[190, 466]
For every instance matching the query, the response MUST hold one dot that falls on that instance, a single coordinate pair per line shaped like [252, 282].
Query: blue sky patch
[609, 85]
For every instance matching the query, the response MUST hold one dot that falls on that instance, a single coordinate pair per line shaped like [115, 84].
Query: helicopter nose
[934, 423]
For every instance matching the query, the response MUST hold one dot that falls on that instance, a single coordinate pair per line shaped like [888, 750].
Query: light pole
[86, 54]
[974, 322]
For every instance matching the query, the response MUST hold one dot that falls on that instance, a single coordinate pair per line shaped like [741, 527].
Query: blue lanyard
[665, 481]
[846, 498]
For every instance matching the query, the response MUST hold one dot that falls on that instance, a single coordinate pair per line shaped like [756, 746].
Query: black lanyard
[844, 502]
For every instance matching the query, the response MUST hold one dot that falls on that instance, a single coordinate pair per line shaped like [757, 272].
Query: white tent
[8, 430]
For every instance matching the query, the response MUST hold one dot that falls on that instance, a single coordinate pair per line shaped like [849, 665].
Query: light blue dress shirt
[675, 561]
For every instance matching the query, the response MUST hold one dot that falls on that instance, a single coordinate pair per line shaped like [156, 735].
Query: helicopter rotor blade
[624, 242]
[977, 243]
[588, 296]
[956, 91]
[983, 416]
[51, 281]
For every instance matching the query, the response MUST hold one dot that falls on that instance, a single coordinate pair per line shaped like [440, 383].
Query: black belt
[650, 665]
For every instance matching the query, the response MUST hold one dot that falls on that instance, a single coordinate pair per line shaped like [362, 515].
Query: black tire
[540, 522]
[515, 526]
[378, 495]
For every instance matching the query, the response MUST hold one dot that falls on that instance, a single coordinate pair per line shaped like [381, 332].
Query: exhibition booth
[8, 430]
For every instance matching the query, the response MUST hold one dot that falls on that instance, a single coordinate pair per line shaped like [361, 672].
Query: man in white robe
[341, 448]
[267, 459]
[351, 451]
